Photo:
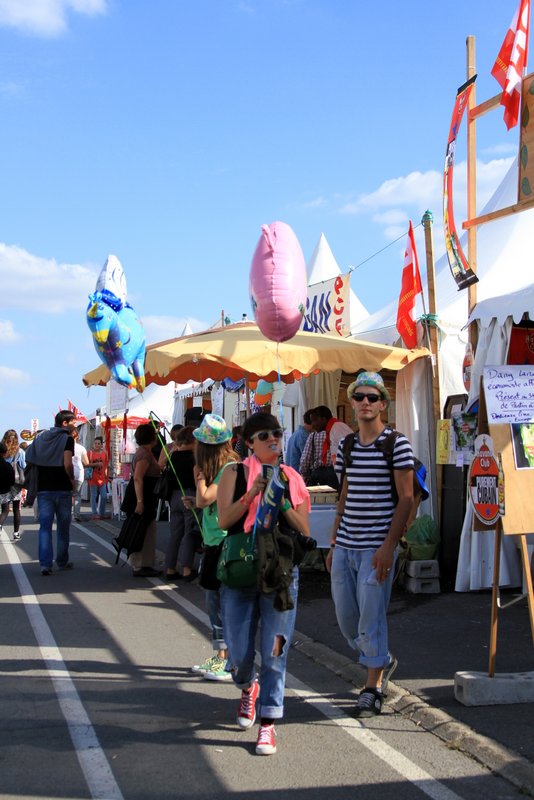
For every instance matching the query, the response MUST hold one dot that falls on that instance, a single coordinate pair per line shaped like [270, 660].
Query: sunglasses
[372, 398]
[262, 436]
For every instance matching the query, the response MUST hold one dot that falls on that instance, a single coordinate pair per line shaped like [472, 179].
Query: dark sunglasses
[262, 436]
[372, 398]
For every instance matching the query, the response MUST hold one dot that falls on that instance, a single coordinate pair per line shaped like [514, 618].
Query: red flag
[511, 63]
[410, 288]
[80, 417]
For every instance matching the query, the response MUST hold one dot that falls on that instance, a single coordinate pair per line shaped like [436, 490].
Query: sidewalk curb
[457, 735]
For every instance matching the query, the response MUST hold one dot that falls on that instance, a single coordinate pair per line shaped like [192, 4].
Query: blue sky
[168, 132]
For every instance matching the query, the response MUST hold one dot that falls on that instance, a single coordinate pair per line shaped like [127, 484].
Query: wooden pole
[472, 186]
[495, 598]
[433, 334]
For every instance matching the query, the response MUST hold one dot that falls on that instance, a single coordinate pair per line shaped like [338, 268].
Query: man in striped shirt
[370, 521]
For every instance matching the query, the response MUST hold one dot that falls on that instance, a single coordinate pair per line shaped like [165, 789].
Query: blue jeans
[213, 607]
[98, 499]
[50, 504]
[361, 604]
[242, 612]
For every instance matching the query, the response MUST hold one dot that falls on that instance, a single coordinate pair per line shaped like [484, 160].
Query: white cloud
[45, 17]
[158, 329]
[10, 375]
[41, 284]
[408, 196]
[318, 202]
[8, 332]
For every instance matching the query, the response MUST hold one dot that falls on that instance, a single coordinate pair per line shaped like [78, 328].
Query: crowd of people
[217, 489]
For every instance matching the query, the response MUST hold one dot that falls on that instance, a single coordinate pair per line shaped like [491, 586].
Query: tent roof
[514, 305]
[241, 350]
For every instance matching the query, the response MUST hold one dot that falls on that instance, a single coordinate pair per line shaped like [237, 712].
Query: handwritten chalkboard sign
[509, 393]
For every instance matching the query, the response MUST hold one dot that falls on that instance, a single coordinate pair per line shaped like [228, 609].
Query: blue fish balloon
[118, 335]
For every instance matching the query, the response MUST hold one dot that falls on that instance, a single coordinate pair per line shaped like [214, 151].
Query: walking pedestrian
[243, 610]
[213, 451]
[80, 460]
[368, 526]
[16, 457]
[98, 482]
[51, 452]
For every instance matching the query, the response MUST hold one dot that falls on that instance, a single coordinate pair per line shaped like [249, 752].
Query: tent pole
[471, 187]
[433, 334]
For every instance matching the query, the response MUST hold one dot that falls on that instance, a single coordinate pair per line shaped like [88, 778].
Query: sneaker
[387, 673]
[46, 571]
[16, 536]
[246, 713]
[266, 744]
[207, 666]
[369, 703]
[68, 565]
[218, 672]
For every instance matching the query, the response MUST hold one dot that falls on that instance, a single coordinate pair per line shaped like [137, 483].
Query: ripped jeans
[361, 604]
[242, 611]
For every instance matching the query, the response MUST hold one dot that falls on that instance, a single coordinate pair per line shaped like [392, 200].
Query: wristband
[286, 505]
[243, 500]
[332, 545]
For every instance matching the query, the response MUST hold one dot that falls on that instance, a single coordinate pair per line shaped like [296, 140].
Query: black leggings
[16, 514]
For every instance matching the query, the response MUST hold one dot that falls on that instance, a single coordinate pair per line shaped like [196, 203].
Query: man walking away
[51, 452]
[373, 507]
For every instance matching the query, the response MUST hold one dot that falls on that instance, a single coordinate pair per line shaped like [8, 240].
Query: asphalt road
[98, 701]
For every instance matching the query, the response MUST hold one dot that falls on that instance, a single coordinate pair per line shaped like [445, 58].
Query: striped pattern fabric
[369, 506]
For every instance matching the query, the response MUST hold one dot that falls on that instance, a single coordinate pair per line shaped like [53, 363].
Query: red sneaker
[266, 744]
[246, 713]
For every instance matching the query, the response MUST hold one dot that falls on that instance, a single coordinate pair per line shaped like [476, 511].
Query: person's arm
[67, 463]
[85, 460]
[206, 495]
[230, 512]
[383, 558]
[139, 473]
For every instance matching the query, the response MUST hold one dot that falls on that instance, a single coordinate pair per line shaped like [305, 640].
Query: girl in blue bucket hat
[213, 451]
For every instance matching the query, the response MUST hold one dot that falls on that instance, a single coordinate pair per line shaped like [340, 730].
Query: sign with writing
[509, 393]
[328, 307]
[483, 481]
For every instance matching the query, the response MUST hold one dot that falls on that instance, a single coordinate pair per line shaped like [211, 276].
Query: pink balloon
[278, 282]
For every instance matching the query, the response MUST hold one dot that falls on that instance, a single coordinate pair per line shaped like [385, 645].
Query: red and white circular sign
[483, 480]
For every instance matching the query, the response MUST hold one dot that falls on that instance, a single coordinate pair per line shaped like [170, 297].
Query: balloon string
[281, 408]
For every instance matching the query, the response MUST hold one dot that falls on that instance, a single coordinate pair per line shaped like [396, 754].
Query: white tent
[322, 266]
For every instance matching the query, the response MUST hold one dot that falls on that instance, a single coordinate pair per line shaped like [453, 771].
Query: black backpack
[386, 446]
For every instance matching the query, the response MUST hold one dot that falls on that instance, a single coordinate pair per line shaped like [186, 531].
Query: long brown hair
[210, 458]
[11, 441]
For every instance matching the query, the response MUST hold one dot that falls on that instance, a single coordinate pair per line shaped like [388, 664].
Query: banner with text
[328, 307]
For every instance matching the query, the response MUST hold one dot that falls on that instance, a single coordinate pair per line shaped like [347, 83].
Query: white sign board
[509, 393]
[118, 398]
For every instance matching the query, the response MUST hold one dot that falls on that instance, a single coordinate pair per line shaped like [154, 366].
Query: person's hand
[383, 561]
[139, 508]
[328, 561]
[257, 487]
[188, 502]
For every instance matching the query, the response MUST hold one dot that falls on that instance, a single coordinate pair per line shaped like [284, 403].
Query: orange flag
[511, 63]
[410, 288]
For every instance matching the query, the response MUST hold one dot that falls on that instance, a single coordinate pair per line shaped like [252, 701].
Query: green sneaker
[218, 672]
[208, 665]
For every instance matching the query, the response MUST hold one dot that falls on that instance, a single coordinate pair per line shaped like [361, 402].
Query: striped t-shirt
[369, 506]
